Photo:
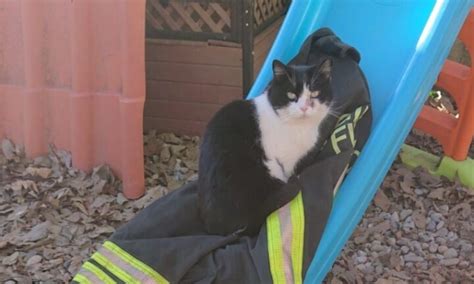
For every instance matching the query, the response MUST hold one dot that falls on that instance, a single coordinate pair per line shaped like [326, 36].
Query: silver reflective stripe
[286, 229]
[132, 271]
[90, 276]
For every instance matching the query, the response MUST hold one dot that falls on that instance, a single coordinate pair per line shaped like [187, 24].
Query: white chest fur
[285, 142]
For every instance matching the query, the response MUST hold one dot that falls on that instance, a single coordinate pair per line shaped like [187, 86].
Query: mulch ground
[419, 228]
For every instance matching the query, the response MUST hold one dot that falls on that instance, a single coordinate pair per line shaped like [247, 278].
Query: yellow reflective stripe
[297, 244]
[99, 273]
[124, 276]
[275, 253]
[79, 278]
[276, 249]
[278, 227]
[135, 262]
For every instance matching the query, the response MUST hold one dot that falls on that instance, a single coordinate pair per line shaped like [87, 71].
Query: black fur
[291, 79]
[235, 188]
[233, 181]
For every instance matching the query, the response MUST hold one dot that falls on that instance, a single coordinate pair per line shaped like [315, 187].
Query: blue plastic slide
[403, 44]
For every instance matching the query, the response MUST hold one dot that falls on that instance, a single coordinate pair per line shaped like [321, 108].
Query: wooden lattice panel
[189, 16]
[267, 9]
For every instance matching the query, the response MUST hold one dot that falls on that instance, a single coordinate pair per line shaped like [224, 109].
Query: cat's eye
[314, 95]
[291, 96]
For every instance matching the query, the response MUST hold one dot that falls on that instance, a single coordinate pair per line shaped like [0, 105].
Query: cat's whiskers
[249, 147]
[334, 113]
[285, 137]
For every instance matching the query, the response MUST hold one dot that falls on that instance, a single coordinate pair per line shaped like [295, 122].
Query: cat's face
[300, 92]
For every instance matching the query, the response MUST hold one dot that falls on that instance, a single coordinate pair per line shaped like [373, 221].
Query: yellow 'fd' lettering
[343, 119]
[358, 114]
[340, 134]
[336, 138]
[360, 111]
[345, 128]
[350, 128]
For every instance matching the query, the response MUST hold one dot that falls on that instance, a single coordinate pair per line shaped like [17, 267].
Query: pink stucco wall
[72, 73]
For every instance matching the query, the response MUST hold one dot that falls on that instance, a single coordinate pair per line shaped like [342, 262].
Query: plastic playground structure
[454, 134]
[403, 45]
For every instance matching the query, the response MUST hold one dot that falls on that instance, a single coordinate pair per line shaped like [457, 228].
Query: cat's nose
[304, 108]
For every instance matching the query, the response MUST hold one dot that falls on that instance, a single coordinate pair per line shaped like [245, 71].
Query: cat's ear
[323, 72]
[280, 70]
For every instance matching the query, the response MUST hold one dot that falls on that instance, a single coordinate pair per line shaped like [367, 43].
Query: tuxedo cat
[251, 148]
